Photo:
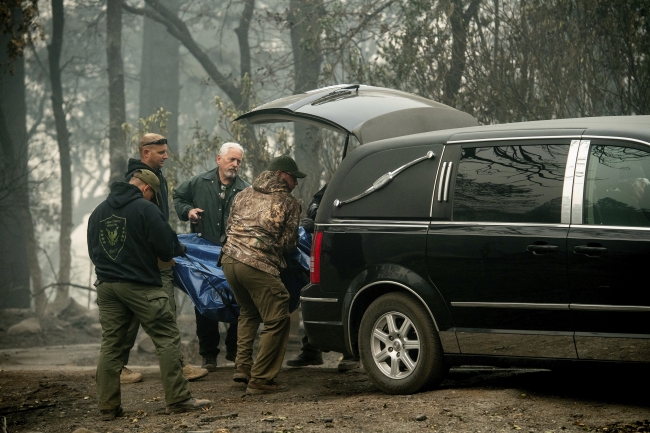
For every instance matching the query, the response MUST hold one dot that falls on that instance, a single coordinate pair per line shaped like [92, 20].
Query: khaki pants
[262, 298]
[118, 303]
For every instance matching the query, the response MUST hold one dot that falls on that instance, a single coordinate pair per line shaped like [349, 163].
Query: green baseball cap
[149, 178]
[287, 164]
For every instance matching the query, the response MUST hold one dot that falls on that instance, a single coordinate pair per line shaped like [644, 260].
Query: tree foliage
[21, 31]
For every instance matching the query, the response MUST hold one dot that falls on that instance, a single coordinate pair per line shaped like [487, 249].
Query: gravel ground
[47, 385]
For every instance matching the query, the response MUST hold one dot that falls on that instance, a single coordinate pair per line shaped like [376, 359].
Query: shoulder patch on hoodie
[112, 234]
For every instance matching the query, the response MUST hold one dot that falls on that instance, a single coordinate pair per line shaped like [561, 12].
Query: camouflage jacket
[263, 224]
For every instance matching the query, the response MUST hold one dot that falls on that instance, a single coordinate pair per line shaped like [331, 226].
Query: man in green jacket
[205, 201]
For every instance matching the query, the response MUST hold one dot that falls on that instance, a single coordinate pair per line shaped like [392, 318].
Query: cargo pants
[262, 298]
[118, 303]
[167, 275]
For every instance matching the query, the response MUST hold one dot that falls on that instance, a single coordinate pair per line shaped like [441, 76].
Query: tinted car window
[616, 191]
[510, 184]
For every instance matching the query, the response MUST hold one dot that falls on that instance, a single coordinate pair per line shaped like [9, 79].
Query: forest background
[82, 80]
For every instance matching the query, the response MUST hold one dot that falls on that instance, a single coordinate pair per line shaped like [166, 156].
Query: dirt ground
[47, 387]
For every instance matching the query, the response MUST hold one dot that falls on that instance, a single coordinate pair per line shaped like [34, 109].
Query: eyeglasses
[222, 194]
[160, 141]
[293, 176]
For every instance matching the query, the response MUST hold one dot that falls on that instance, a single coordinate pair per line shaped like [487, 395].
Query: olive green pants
[118, 303]
[167, 275]
[262, 298]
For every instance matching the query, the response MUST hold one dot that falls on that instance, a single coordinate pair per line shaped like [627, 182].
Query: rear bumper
[321, 315]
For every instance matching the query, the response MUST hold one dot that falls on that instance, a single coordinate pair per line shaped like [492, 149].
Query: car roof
[630, 127]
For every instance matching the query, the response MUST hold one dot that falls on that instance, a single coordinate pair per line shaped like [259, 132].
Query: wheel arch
[427, 296]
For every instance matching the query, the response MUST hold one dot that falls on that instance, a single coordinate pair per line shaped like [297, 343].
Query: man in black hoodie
[153, 154]
[127, 235]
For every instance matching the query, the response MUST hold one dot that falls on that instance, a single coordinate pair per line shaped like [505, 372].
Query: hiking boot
[231, 355]
[192, 373]
[303, 360]
[210, 363]
[347, 363]
[242, 374]
[189, 405]
[265, 388]
[128, 376]
[111, 414]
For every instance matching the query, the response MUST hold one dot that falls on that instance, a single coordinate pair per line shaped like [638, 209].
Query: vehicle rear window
[510, 184]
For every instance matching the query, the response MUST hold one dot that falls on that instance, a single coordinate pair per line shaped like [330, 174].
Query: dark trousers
[308, 349]
[207, 330]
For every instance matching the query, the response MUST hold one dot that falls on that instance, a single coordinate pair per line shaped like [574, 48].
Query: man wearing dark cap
[153, 154]
[262, 228]
[127, 234]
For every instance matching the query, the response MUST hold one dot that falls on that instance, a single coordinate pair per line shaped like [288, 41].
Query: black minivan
[510, 245]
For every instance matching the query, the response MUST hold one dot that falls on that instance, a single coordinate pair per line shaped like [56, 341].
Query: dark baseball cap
[287, 164]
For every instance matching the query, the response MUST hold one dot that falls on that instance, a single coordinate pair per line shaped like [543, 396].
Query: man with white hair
[205, 201]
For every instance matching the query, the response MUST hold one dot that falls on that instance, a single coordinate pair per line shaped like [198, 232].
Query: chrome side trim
[579, 182]
[439, 173]
[528, 343]
[405, 224]
[514, 305]
[542, 306]
[449, 341]
[593, 226]
[307, 299]
[447, 177]
[613, 335]
[540, 137]
[386, 282]
[442, 180]
[486, 223]
[613, 308]
[568, 181]
[616, 138]
[314, 322]
[613, 347]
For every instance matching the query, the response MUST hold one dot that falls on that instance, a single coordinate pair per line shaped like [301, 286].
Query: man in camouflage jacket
[262, 228]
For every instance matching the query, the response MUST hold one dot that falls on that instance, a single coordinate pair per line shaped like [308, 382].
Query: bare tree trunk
[159, 86]
[459, 20]
[304, 16]
[116, 104]
[14, 188]
[62, 135]
[256, 157]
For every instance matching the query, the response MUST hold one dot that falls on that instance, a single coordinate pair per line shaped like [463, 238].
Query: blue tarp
[200, 283]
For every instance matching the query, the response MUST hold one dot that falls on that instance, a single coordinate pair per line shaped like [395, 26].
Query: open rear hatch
[365, 112]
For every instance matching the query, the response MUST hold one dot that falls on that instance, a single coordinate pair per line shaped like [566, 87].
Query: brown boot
[242, 374]
[193, 373]
[265, 388]
[128, 376]
[188, 405]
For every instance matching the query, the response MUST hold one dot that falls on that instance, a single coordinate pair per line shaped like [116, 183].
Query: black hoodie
[126, 236]
[162, 198]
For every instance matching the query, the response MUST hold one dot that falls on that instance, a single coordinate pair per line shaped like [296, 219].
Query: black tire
[398, 363]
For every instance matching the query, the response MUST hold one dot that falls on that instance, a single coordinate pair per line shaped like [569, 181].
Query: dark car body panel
[514, 293]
